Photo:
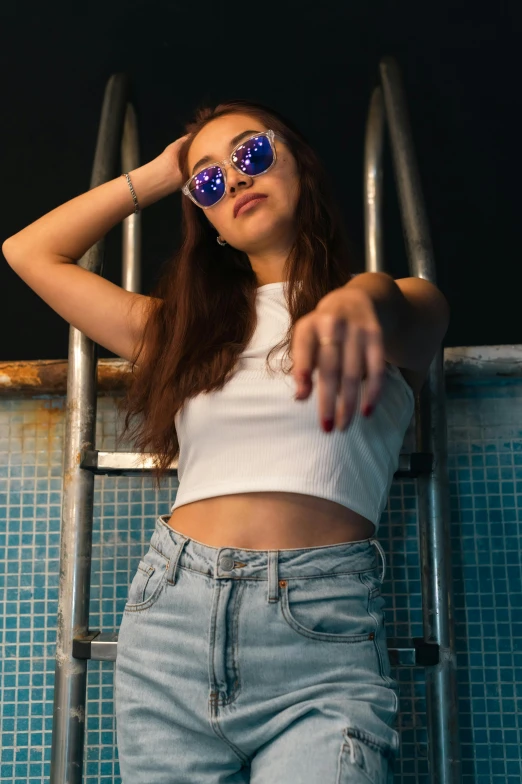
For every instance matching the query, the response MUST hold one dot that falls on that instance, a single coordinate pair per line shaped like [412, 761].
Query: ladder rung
[411, 464]
[96, 645]
[119, 463]
[403, 652]
[412, 652]
[414, 464]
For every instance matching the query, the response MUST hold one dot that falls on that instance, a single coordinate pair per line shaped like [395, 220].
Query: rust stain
[40, 421]
[49, 377]
[68, 476]
[70, 473]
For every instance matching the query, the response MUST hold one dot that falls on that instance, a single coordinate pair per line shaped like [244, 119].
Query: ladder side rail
[131, 226]
[431, 436]
[68, 735]
[372, 184]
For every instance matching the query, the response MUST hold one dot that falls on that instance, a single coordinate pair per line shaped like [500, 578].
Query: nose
[237, 180]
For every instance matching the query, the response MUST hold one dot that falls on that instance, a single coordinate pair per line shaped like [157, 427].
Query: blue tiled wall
[485, 464]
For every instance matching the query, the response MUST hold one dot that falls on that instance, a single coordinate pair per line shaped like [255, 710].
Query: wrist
[384, 295]
[151, 182]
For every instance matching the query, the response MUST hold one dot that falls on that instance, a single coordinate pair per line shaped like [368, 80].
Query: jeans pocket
[148, 581]
[366, 758]
[331, 608]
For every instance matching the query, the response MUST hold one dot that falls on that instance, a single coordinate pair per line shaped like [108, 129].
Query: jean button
[226, 563]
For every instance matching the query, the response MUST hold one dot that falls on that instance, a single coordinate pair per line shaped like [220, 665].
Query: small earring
[220, 240]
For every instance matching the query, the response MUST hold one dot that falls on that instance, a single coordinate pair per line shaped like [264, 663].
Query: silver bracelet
[136, 206]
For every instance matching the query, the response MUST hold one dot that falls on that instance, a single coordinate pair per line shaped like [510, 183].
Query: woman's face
[268, 224]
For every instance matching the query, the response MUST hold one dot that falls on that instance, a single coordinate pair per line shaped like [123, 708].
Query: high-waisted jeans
[261, 666]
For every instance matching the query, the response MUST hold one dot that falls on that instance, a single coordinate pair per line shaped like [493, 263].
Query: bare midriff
[269, 521]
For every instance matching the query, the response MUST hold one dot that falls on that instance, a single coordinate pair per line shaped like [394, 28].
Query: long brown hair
[203, 308]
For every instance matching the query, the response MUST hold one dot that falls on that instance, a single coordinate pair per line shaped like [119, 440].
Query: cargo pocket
[148, 581]
[366, 758]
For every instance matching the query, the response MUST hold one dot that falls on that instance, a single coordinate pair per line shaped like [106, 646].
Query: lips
[245, 199]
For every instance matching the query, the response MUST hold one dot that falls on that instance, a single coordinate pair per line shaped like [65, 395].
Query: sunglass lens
[208, 186]
[255, 156]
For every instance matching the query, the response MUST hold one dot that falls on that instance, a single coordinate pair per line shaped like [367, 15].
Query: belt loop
[273, 575]
[173, 561]
[383, 556]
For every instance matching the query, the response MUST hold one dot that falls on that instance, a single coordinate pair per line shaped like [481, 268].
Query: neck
[269, 264]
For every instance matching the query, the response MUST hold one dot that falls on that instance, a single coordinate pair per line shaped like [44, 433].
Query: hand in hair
[170, 157]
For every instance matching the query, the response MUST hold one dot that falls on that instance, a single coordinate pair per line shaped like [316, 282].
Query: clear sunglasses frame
[271, 136]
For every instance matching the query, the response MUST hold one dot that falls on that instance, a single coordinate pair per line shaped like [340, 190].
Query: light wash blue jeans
[260, 666]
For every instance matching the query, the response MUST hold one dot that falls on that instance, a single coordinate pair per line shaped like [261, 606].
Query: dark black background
[315, 62]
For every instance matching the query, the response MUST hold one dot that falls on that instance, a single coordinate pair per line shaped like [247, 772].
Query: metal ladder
[76, 643]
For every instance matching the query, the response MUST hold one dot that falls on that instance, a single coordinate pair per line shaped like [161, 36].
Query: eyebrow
[233, 142]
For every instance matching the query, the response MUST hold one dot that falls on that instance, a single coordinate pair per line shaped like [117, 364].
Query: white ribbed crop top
[253, 436]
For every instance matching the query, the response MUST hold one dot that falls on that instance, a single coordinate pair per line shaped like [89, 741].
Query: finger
[303, 354]
[376, 369]
[353, 367]
[329, 367]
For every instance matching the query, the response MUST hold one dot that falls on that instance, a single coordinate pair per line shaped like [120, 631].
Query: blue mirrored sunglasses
[253, 156]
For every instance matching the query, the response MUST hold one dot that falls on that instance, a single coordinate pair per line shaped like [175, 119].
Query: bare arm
[415, 316]
[44, 253]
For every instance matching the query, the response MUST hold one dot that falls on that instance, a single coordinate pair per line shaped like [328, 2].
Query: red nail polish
[367, 410]
[328, 425]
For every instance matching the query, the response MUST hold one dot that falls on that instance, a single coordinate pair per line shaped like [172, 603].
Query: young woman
[252, 646]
